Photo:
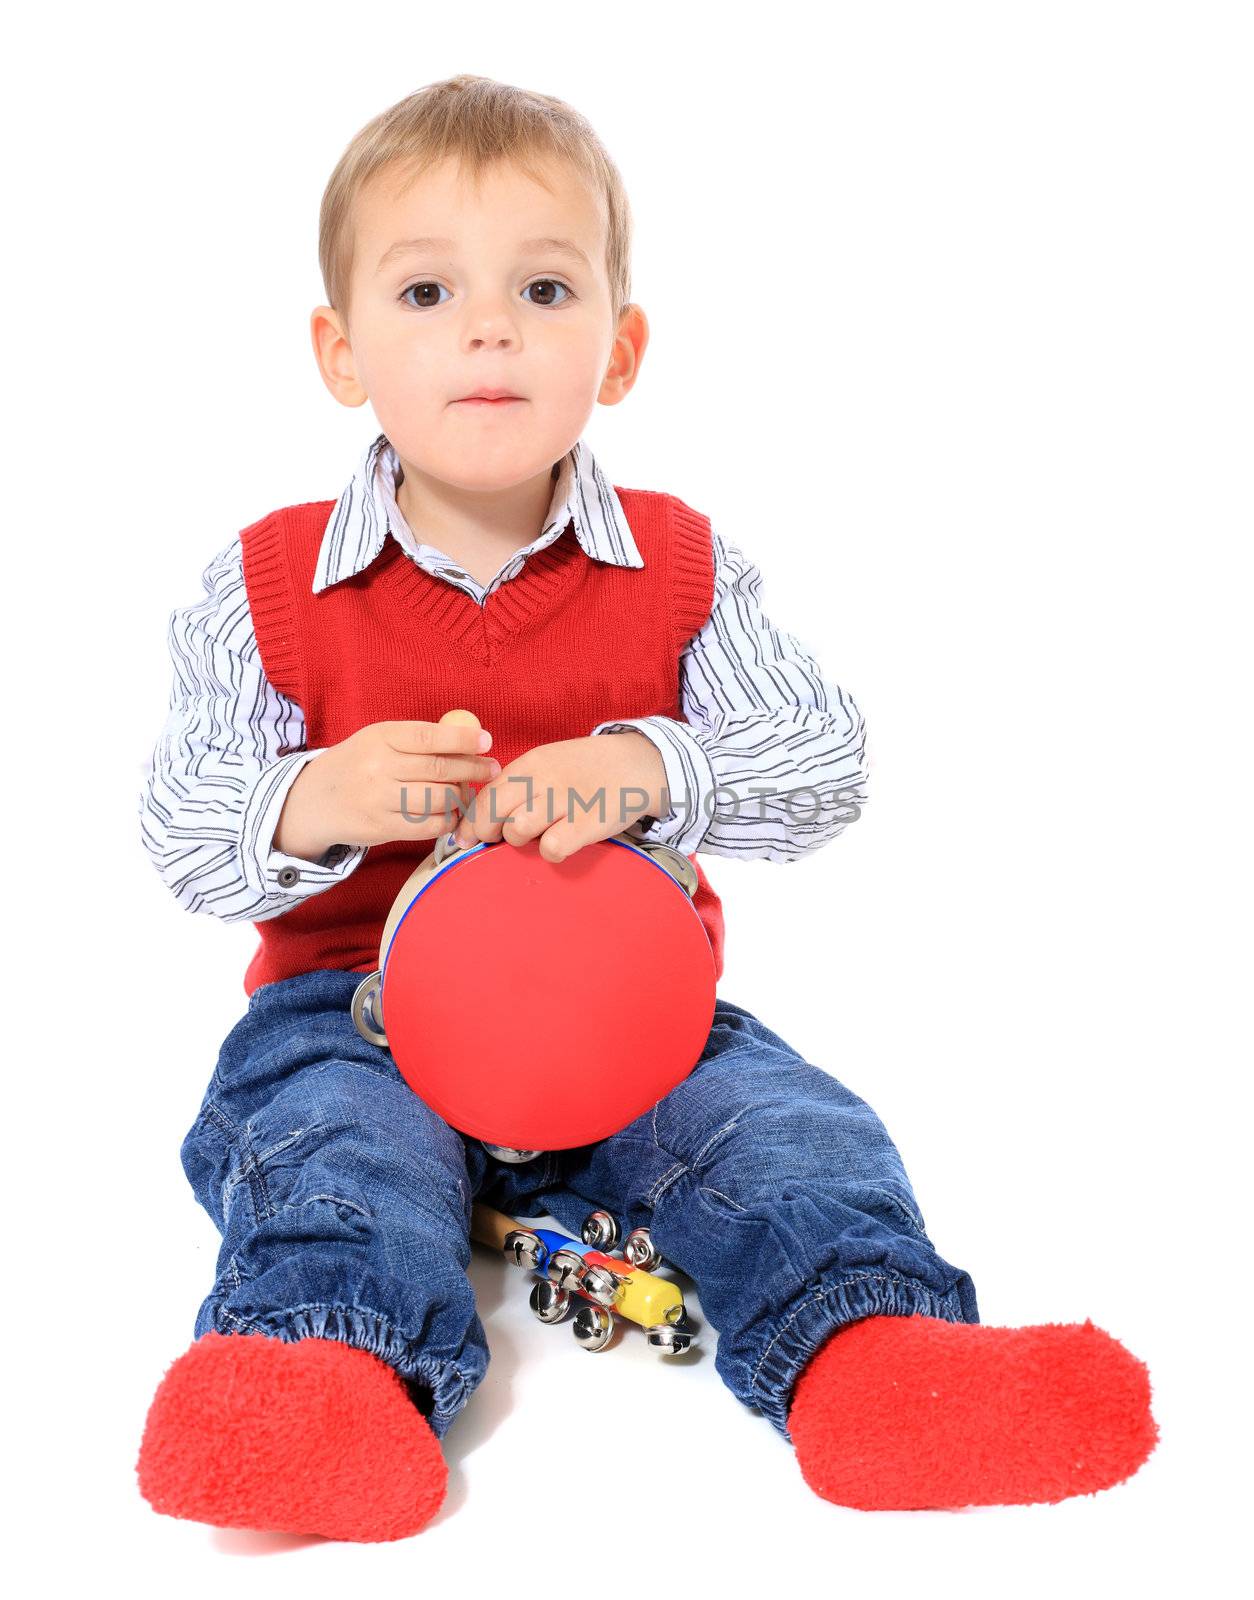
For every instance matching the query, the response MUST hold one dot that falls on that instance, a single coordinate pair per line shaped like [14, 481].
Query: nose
[490, 323]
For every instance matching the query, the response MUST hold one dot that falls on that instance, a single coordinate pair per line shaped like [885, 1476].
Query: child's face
[489, 309]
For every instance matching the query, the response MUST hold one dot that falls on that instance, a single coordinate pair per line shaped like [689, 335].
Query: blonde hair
[480, 123]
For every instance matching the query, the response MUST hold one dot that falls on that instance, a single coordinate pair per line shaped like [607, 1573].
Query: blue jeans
[344, 1202]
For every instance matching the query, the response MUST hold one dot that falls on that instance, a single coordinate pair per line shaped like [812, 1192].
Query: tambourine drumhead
[543, 1005]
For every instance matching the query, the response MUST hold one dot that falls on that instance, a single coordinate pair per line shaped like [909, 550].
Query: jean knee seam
[915, 1221]
[212, 1113]
[253, 1166]
[332, 1200]
[250, 1173]
[719, 1133]
[670, 1176]
[392, 1076]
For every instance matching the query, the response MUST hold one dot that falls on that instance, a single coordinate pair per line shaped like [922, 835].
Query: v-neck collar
[481, 629]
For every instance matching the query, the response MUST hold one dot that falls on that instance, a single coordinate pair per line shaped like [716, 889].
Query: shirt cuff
[690, 783]
[271, 871]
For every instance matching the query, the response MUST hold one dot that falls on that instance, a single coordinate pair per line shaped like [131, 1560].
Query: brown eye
[422, 303]
[547, 285]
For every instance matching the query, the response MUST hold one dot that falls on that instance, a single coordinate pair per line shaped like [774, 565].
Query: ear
[334, 356]
[630, 343]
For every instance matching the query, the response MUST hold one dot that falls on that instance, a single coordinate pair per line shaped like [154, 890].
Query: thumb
[558, 842]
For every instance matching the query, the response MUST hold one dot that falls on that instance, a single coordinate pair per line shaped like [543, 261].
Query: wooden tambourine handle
[490, 1227]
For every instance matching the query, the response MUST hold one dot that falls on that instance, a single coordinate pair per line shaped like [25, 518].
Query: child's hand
[389, 780]
[570, 794]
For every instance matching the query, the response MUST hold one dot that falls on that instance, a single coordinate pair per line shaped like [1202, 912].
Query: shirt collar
[359, 523]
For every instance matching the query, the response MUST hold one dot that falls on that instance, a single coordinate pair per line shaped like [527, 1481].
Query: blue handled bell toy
[580, 1275]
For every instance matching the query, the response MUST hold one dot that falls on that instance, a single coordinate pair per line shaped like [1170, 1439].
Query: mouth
[489, 397]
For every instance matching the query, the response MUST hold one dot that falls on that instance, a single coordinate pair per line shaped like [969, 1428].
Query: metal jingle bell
[505, 1152]
[671, 1341]
[549, 1302]
[564, 1268]
[593, 1327]
[600, 1284]
[641, 1251]
[524, 1248]
[600, 1229]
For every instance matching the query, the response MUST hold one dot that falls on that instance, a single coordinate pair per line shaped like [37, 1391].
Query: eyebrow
[564, 247]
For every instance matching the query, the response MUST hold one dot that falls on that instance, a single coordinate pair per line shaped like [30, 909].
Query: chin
[487, 480]
[483, 470]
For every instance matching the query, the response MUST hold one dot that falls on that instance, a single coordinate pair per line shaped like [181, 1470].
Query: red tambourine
[539, 1005]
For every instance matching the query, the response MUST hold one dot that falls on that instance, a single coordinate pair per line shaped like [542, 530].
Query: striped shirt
[771, 762]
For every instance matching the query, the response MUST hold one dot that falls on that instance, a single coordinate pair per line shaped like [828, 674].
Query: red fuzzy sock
[916, 1413]
[307, 1436]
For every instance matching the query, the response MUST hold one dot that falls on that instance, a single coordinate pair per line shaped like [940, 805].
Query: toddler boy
[474, 244]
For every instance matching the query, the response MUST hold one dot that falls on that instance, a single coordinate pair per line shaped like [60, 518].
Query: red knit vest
[568, 643]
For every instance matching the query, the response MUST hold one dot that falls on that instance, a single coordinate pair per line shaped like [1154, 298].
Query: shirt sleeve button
[288, 876]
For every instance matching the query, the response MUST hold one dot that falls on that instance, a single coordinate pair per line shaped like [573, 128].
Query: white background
[951, 332]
